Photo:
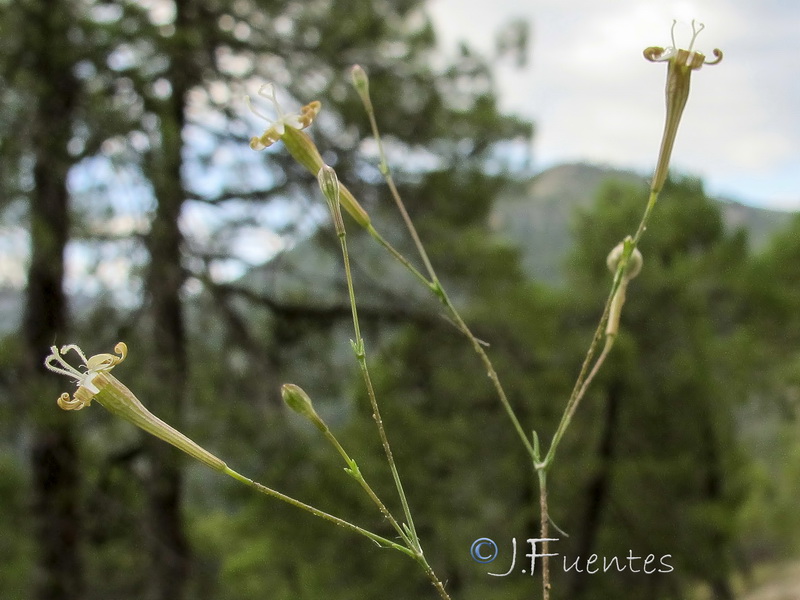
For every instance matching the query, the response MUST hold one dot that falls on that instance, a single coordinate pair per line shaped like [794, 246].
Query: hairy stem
[376, 413]
[410, 536]
[544, 533]
[434, 284]
[355, 473]
[381, 541]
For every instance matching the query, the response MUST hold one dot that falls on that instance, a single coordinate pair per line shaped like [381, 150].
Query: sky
[594, 98]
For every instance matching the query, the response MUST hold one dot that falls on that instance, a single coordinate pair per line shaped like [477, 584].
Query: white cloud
[594, 98]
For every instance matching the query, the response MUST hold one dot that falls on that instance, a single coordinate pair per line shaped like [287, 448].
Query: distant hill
[537, 215]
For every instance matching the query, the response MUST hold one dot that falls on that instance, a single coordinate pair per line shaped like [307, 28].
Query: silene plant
[95, 381]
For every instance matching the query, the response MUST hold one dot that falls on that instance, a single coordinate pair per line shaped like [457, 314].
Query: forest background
[127, 175]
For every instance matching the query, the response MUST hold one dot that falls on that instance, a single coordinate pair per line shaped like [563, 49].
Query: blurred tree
[772, 287]
[147, 89]
[664, 476]
[164, 168]
[305, 49]
[38, 71]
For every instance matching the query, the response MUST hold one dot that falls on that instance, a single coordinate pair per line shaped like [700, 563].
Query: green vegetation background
[686, 445]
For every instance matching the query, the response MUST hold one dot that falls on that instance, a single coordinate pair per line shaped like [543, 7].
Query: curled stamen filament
[696, 29]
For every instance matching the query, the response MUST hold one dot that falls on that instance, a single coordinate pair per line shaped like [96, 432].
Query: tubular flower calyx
[96, 383]
[681, 63]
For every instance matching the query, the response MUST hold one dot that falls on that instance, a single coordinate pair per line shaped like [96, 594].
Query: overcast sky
[595, 98]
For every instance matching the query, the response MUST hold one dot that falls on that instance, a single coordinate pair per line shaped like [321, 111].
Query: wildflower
[288, 128]
[97, 383]
[87, 384]
[681, 63]
[277, 128]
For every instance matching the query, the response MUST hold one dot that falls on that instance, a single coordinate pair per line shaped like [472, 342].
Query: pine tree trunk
[55, 475]
[597, 490]
[170, 553]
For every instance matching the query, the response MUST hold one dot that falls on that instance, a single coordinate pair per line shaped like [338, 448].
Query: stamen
[254, 111]
[65, 368]
[696, 29]
[672, 33]
[76, 349]
[271, 97]
[60, 371]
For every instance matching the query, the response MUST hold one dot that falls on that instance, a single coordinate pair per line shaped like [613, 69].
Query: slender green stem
[440, 292]
[351, 291]
[414, 553]
[435, 285]
[588, 368]
[387, 175]
[544, 533]
[355, 473]
[490, 372]
[651, 203]
[400, 258]
[574, 400]
[376, 413]
[330, 187]
[410, 537]
[381, 541]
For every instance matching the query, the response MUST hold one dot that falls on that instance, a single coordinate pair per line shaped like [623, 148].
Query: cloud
[594, 98]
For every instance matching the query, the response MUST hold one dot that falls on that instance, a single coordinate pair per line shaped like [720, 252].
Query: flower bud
[361, 83]
[296, 399]
[329, 184]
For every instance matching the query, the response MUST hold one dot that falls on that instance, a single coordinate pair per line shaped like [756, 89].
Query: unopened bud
[329, 184]
[361, 83]
[296, 399]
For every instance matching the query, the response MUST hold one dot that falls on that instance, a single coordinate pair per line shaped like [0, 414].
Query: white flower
[689, 58]
[97, 364]
[96, 383]
[278, 126]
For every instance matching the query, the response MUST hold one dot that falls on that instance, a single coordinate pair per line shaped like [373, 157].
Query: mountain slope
[537, 215]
